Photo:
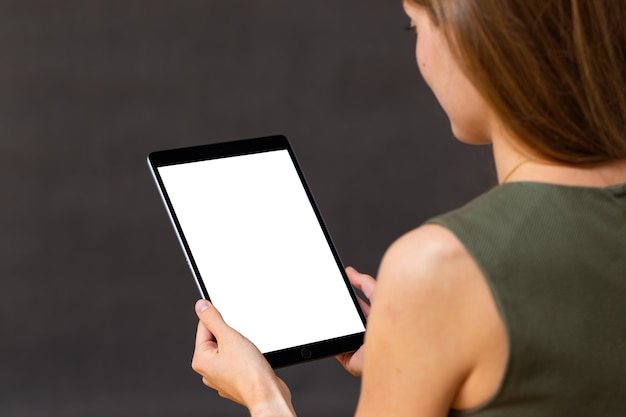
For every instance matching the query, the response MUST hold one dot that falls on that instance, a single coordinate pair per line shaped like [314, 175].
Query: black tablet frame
[284, 357]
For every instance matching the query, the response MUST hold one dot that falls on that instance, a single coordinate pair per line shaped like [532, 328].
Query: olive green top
[555, 260]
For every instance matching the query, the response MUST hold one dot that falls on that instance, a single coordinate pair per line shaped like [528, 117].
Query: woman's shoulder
[426, 262]
[427, 248]
[432, 291]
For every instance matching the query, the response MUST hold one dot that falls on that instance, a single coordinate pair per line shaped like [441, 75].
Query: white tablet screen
[260, 251]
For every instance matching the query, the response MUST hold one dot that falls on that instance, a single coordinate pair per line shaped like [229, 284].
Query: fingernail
[201, 305]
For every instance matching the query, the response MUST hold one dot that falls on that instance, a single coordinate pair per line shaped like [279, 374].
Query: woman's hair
[554, 71]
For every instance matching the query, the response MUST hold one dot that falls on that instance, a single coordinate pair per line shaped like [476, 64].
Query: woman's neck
[514, 164]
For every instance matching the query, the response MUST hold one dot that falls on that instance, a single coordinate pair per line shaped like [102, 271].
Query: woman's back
[555, 260]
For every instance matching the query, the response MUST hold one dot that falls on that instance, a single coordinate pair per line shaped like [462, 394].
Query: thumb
[210, 318]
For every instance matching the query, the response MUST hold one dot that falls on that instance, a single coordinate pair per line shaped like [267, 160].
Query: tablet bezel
[157, 159]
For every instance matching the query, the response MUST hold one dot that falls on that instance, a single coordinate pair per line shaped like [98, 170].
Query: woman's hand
[232, 365]
[353, 361]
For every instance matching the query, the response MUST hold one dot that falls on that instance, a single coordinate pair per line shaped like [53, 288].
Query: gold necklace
[515, 168]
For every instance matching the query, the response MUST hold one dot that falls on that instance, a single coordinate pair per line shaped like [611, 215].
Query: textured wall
[96, 302]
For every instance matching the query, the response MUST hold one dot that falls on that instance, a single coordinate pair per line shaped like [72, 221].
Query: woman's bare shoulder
[433, 327]
[425, 252]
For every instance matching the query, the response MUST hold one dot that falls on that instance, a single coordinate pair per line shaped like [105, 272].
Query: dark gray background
[96, 302]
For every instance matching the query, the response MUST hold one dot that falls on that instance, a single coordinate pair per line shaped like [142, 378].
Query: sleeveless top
[555, 260]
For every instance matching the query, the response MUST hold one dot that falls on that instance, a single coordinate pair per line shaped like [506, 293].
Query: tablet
[258, 248]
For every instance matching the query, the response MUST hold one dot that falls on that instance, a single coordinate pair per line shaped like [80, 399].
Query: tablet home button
[305, 353]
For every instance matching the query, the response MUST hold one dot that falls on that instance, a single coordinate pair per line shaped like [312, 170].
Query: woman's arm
[435, 339]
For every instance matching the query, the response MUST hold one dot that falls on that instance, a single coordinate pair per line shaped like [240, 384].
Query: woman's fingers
[364, 283]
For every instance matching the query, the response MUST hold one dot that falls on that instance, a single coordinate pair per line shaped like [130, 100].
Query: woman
[513, 305]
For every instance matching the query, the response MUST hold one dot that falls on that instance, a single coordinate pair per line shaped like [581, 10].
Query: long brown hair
[553, 70]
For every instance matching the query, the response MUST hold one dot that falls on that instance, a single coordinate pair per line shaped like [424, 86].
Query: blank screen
[260, 251]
